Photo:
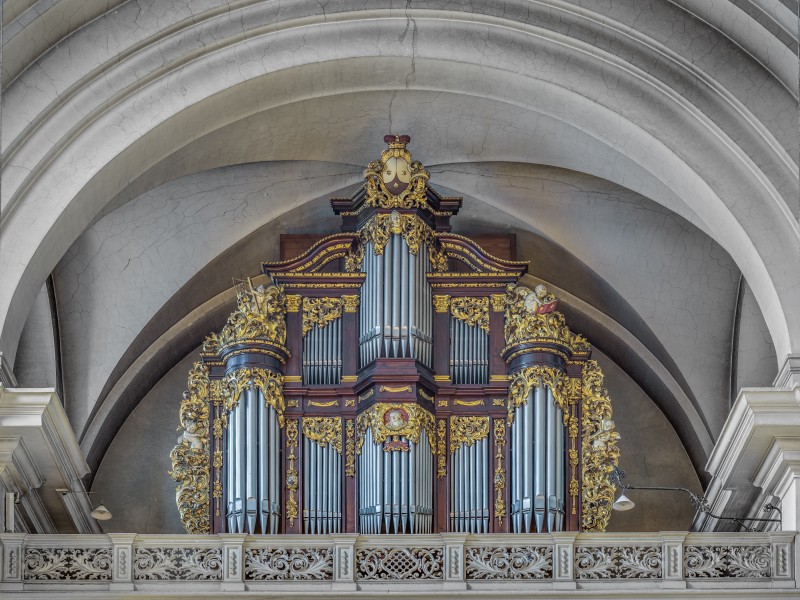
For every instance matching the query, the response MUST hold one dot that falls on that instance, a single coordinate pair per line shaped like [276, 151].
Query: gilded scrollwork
[324, 431]
[531, 317]
[414, 230]
[599, 450]
[350, 449]
[354, 259]
[499, 470]
[292, 478]
[523, 380]
[270, 384]
[473, 311]
[350, 303]
[441, 447]
[260, 315]
[465, 431]
[191, 457]
[396, 181]
[320, 312]
[390, 421]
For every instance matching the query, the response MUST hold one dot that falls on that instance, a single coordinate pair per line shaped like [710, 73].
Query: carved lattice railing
[447, 561]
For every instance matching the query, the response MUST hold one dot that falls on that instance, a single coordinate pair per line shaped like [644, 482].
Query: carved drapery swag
[467, 430]
[320, 312]
[269, 383]
[414, 231]
[473, 311]
[324, 431]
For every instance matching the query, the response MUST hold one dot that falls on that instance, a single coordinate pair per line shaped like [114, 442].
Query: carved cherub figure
[192, 435]
[604, 436]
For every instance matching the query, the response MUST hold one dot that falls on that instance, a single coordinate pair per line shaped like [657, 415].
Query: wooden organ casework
[395, 378]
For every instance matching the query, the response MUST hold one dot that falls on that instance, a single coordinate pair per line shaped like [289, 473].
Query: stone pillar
[121, 561]
[344, 576]
[454, 576]
[232, 562]
[672, 559]
[12, 557]
[564, 560]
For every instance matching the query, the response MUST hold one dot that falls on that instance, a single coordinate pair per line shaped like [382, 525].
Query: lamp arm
[701, 504]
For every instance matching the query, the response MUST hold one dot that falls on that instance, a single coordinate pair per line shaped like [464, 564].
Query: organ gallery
[395, 378]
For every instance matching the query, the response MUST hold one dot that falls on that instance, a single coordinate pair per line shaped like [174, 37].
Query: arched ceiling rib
[692, 104]
[130, 127]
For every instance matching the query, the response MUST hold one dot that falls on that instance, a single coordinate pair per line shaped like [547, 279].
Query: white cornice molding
[789, 374]
[38, 447]
[760, 439]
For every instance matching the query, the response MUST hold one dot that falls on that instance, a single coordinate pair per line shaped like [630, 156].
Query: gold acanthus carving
[292, 478]
[574, 391]
[465, 431]
[531, 317]
[350, 303]
[211, 344]
[441, 446]
[524, 380]
[191, 457]
[293, 302]
[350, 449]
[260, 315]
[270, 384]
[500, 470]
[600, 453]
[320, 312]
[408, 184]
[354, 258]
[414, 230]
[390, 420]
[324, 431]
[498, 302]
[441, 304]
[473, 311]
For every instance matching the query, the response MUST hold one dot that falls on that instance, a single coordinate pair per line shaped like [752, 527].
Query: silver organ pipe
[396, 487]
[252, 466]
[322, 354]
[469, 353]
[322, 488]
[396, 316]
[537, 464]
[469, 492]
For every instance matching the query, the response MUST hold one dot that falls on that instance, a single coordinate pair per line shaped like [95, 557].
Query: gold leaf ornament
[191, 457]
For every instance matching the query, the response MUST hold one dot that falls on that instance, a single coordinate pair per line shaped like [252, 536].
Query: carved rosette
[473, 311]
[530, 317]
[375, 418]
[324, 431]
[320, 312]
[269, 383]
[465, 431]
[524, 380]
[599, 450]
[260, 315]
[191, 458]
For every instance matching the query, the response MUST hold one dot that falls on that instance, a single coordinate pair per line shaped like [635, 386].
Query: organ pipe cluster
[395, 378]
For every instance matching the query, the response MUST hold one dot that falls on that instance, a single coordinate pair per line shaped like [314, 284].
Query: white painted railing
[459, 563]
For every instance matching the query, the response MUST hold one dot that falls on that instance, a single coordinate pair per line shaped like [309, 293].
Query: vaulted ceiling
[645, 153]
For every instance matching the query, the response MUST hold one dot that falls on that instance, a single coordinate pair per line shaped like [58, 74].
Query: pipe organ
[395, 378]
